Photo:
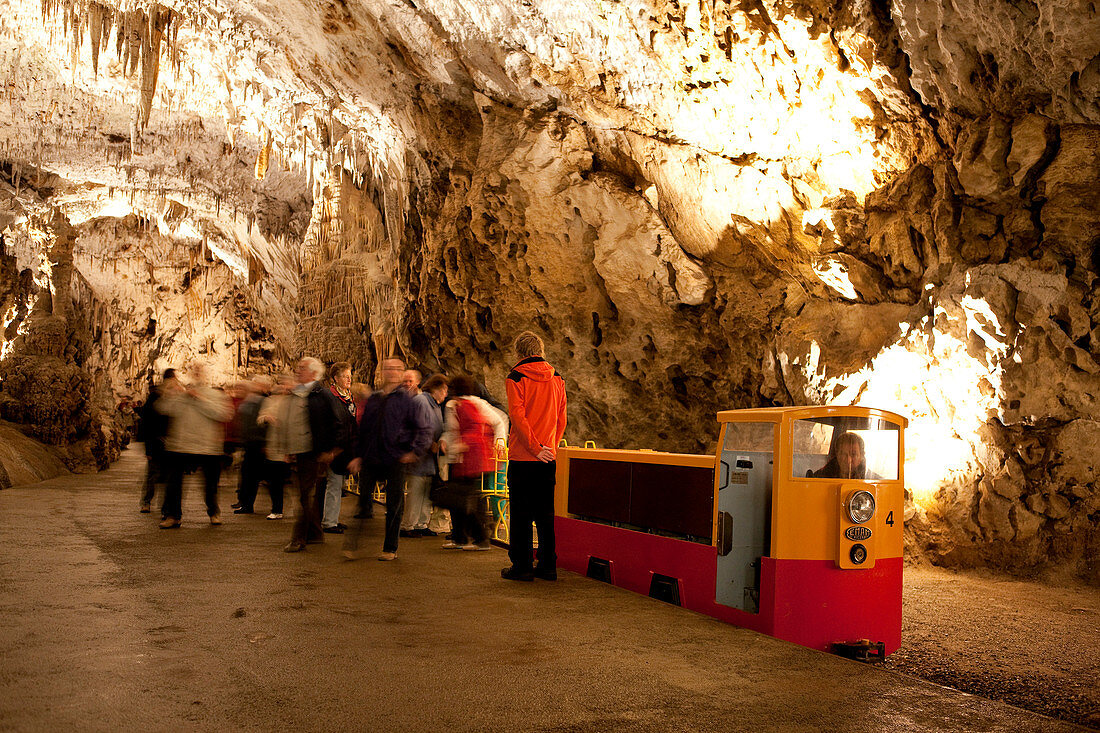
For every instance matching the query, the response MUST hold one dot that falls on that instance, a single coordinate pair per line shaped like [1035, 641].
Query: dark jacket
[327, 425]
[391, 426]
[350, 428]
[153, 425]
[251, 433]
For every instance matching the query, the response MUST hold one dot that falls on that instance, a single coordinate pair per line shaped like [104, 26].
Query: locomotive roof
[801, 412]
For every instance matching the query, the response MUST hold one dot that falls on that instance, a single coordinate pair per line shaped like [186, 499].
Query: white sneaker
[273, 515]
[451, 546]
[477, 548]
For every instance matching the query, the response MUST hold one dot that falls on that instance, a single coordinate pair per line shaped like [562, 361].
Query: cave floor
[112, 624]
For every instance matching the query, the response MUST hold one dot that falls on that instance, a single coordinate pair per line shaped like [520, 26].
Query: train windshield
[845, 447]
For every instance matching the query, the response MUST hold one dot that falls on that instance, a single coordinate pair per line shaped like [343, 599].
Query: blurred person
[252, 435]
[236, 394]
[410, 380]
[152, 430]
[126, 419]
[312, 432]
[361, 392]
[418, 507]
[471, 428]
[394, 434]
[195, 439]
[276, 460]
[337, 475]
[536, 413]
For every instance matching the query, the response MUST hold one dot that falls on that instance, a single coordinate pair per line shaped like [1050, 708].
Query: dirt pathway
[1031, 645]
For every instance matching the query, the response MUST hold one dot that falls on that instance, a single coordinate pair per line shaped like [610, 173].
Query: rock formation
[701, 205]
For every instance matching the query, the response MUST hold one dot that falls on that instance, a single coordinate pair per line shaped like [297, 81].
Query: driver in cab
[846, 460]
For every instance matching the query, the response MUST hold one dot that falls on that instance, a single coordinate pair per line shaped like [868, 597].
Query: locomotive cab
[809, 518]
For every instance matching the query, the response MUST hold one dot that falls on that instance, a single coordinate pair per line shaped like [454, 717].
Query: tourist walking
[276, 459]
[313, 433]
[252, 435]
[152, 431]
[418, 507]
[337, 473]
[471, 429]
[196, 439]
[394, 433]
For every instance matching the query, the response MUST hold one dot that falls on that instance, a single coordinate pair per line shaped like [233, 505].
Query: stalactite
[95, 31]
[264, 156]
[152, 34]
[74, 24]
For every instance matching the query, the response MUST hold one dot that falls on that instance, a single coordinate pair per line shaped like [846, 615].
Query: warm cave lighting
[116, 208]
[948, 394]
[833, 273]
[9, 318]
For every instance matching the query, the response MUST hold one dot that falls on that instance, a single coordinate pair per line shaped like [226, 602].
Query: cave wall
[678, 270]
[700, 205]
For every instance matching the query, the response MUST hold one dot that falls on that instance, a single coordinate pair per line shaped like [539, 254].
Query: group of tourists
[430, 445]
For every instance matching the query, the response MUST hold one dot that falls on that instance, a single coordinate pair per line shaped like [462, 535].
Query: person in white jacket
[471, 429]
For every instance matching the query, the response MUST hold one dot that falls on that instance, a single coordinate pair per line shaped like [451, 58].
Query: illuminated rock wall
[700, 205]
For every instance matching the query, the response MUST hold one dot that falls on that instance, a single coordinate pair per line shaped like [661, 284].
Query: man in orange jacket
[536, 413]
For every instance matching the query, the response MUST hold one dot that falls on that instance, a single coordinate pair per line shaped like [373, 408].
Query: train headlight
[860, 506]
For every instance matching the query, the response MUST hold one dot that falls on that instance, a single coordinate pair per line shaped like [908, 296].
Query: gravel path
[1031, 645]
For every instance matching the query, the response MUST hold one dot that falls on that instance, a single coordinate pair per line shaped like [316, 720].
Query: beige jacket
[197, 424]
[288, 432]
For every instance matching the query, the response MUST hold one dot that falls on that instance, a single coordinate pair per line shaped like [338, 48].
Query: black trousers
[531, 501]
[276, 472]
[307, 527]
[252, 473]
[155, 473]
[180, 463]
[369, 475]
[468, 520]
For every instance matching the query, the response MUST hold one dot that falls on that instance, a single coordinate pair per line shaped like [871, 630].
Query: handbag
[340, 463]
[446, 495]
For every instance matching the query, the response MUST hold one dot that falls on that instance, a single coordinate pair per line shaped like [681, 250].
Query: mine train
[750, 535]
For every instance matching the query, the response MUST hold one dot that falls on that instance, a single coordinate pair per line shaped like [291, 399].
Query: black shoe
[337, 529]
[235, 506]
[341, 525]
[242, 510]
[408, 533]
[513, 574]
[425, 532]
[546, 574]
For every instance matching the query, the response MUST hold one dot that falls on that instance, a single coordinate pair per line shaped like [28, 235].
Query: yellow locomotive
[793, 528]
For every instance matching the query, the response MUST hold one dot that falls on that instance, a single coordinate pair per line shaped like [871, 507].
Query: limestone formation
[700, 205]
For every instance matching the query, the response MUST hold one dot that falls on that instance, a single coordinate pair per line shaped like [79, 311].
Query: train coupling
[863, 650]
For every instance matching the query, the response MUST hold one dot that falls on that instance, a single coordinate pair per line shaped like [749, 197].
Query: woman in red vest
[471, 427]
